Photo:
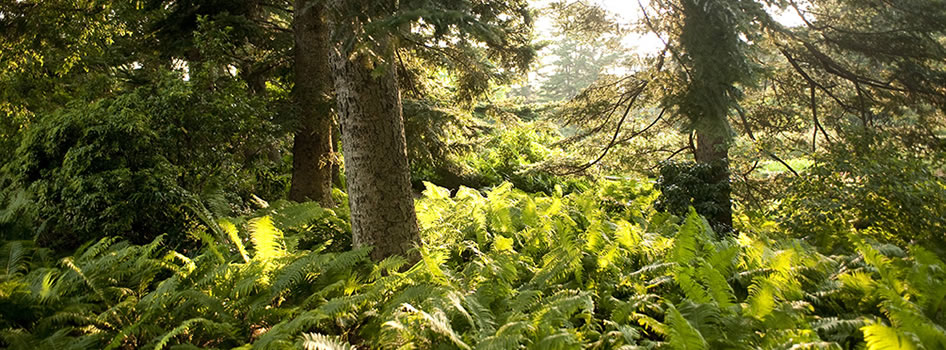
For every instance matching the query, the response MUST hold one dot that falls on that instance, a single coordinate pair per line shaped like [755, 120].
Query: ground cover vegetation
[495, 174]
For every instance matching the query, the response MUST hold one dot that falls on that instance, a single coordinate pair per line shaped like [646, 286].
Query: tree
[884, 73]
[112, 140]
[312, 150]
[713, 51]
[587, 43]
[366, 35]
[369, 109]
[53, 51]
[710, 61]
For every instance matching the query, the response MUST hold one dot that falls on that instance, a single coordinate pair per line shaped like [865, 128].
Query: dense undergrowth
[500, 269]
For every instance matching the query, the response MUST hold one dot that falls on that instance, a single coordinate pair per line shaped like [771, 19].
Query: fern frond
[70, 264]
[315, 341]
[761, 300]
[389, 265]
[297, 272]
[97, 248]
[438, 322]
[834, 325]
[14, 257]
[210, 244]
[693, 290]
[562, 339]
[230, 229]
[282, 334]
[683, 336]
[182, 328]
[433, 260]
[882, 337]
[297, 215]
[716, 284]
[509, 336]
[686, 245]
[266, 239]
[45, 290]
[348, 260]
[651, 324]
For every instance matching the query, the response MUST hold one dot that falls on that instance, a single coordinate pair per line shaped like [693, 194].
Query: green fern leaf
[882, 337]
[683, 336]
[182, 328]
[266, 239]
[315, 341]
[230, 229]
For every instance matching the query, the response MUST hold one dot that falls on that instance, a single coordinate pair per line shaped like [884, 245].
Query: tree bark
[372, 126]
[713, 149]
[312, 151]
[337, 166]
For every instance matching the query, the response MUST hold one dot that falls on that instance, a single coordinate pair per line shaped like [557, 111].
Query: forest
[473, 174]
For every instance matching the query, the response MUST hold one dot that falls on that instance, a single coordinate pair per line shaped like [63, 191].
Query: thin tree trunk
[312, 147]
[376, 167]
[713, 150]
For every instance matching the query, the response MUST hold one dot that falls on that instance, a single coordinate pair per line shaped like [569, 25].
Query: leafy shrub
[632, 196]
[873, 188]
[512, 153]
[127, 165]
[497, 147]
[689, 184]
[93, 171]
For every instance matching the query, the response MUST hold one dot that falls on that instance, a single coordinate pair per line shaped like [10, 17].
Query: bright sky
[630, 12]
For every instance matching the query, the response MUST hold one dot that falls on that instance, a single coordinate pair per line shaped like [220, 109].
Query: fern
[882, 337]
[183, 328]
[266, 240]
[13, 256]
[498, 270]
[315, 341]
[231, 231]
[682, 334]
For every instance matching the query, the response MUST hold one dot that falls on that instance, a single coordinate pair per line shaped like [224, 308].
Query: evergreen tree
[369, 108]
[587, 43]
[365, 38]
[713, 62]
[313, 144]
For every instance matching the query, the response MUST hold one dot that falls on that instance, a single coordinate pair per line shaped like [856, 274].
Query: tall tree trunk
[372, 126]
[312, 151]
[711, 41]
[254, 72]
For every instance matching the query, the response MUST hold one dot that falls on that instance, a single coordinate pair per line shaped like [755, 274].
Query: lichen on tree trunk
[372, 127]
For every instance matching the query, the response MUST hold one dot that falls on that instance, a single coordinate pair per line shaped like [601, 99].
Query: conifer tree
[312, 150]
[365, 35]
[369, 108]
[712, 50]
